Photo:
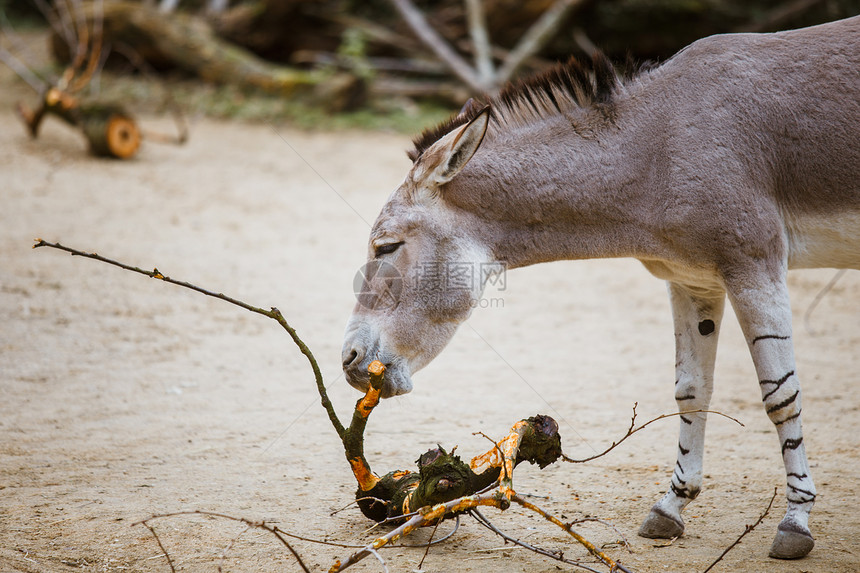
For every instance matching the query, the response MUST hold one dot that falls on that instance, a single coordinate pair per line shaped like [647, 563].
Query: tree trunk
[188, 43]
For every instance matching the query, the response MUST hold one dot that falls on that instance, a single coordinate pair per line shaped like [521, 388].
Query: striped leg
[697, 316]
[765, 317]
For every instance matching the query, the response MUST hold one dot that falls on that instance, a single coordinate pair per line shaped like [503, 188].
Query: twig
[436, 541]
[607, 524]
[613, 565]
[631, 430]
[230, 547]
[158, 540]
[557, 555]
[429, 544]
[258, 524]
[747, 529]
[818, 298]
[274, 314]
[356, 500]
[427, 516]
[22, 70]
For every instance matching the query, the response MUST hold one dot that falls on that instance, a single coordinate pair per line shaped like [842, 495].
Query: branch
[535, 440]
[274, 314]
[22, 70]
[631, 430]
[818, 298]
[258, 524]
[435, 42]
[557, 555]
[541, 32]
[426, 517]
[481, 41]
[613, 565]
[747, 529]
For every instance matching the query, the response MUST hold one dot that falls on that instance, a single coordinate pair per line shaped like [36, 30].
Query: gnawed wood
[441, 476]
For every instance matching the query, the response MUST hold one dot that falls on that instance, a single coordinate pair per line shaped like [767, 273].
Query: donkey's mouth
[397, 379]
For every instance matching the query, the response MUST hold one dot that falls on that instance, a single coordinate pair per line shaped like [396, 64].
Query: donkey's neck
[559, 190]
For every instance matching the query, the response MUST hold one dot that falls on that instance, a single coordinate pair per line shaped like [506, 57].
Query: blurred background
[371, 63]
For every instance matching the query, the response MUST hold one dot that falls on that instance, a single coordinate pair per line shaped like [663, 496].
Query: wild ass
[732, 162]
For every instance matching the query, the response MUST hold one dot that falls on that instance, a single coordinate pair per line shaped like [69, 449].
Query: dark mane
[575, 82]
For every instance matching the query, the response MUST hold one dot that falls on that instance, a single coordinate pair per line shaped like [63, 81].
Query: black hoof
[661, 525]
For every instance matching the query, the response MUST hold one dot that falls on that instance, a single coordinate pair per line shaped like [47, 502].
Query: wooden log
[110, 130]
[189, 43]
[441, 476]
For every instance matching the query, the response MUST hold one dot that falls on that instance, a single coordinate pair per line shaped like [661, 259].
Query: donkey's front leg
[765, 317]
[697, 315]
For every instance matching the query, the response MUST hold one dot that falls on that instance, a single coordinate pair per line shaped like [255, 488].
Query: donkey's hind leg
[765, 316]
[697, 315]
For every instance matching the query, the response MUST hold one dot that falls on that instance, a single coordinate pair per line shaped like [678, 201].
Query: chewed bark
[441, 476]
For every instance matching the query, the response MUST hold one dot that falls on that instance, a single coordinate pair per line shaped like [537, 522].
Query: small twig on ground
[607, 524]
[429, 543]
[160, 545]
[557, 555]
[632, 430]
[747, 529]
[230, 547]
[818, 298]
[258, 524]
[613, 565]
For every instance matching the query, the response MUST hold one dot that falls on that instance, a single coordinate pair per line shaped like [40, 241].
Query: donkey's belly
[816, 241]
[700, 279]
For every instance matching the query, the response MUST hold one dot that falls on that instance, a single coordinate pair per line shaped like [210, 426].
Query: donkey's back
[773, 118]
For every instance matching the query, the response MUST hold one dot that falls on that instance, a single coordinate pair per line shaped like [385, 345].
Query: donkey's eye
[387, 249]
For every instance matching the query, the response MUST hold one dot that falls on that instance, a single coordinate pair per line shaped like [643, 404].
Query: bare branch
[258, 524]
[22, 70]
[632, 430]
[59, 25]
[274, 314]
[160, 545]
[95, 51]
[613, 565]
[540, 33]
[425, 517]
[747, 529]
[557, 555]
[435, 42]
[481, 41]
[818, 298]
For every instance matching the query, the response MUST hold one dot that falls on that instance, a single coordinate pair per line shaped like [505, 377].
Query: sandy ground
[122, 397]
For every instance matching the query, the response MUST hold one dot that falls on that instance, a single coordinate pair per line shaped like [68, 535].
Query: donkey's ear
[464, 146]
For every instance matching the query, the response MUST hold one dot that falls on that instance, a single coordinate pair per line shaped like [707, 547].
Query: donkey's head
[422, 278]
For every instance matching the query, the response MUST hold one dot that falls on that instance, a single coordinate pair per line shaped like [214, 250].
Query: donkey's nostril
[350, 359]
